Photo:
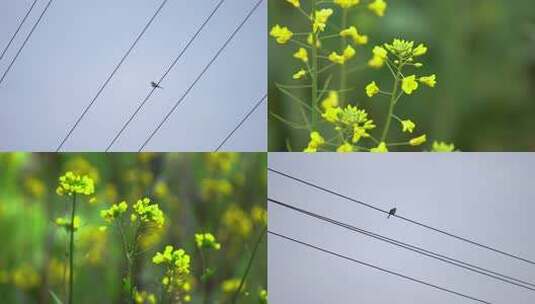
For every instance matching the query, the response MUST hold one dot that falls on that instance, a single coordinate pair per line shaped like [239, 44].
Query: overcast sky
[76, 47]
[486, 197]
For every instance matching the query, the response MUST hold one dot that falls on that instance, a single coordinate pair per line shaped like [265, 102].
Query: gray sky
[78, 44]
[486, 197]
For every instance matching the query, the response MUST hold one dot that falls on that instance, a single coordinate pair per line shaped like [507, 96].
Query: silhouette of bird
[392, 212]
[155, 85]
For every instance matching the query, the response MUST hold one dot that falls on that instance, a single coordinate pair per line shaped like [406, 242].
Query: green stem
[203, 275]
[392, 105]
[343, 74]
[129, 279]
[249, 264]
[131, 256]
[314, 77]
[71, 251]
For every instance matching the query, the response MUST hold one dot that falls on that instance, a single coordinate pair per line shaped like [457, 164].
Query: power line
[105, 84]
[18, 29]
[416, 249]
[378, 268]
[241, 122]
[25, 41]
[165, 74]
[464, 239]
[200, 75]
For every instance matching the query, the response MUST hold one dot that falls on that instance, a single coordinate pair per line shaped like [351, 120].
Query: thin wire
[105, 84]
[378, 268]
[165, 74]
[405, 218]
[241, 122]
[419, 250]
[200, 75]
[18, 29]
[25, 41]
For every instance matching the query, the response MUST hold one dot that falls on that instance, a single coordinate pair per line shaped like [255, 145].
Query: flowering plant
[331, 118]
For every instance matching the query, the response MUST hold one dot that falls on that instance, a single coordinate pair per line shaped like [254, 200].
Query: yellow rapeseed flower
[320, 19]
[316, 140]
[372, 89]
[334, 57]
[346, 3]
[379, 57]
[331, 101]
[299, 74]
[407, 125]
[419, 50]
[429, 80]
[378, 7]
[231, 285]
[381, 148]
[332, 114]
[353, 33]
[281, 34]
[349, 52]
[345, 148]
[362, 131]
[442, 147]
[418, 140]
[294, 3]
[409, 84]
[301, 54]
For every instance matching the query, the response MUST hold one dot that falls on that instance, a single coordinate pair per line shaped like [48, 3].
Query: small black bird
[155, 85]
[392, 212]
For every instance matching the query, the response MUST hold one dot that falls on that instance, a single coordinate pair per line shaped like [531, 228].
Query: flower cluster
[116, 210]
[71, 183]
[235, 219]
[143, 210]
[333, 123]
[398, 55]
[148, 213]
[206, 240]
[215, 189]
[142, 297]
[177, 271]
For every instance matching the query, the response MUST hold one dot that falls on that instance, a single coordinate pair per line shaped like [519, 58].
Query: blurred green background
[483, 52]
[221, 193]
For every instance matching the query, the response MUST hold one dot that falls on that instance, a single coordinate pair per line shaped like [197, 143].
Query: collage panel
[401, 76]
[133, 228]
[161, 76]
[401, 228]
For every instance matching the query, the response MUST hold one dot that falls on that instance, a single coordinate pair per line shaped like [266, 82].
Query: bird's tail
[388, 216]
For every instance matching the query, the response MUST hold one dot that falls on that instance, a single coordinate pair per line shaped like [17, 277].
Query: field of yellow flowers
[133, 228]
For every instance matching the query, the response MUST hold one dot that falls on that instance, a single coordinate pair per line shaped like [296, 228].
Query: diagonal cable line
[378, 268]
[406, 219]
[18, 29]
[165, 74]
[105, 84]
[241, 123]
[25, 41]
[229, 39]
[416, 249]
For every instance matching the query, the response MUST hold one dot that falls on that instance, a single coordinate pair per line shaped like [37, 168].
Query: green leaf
[55, 297]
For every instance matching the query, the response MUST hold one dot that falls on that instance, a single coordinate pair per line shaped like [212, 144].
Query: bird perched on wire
[392, 212]
[155, 85]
